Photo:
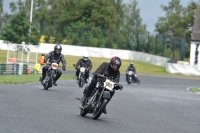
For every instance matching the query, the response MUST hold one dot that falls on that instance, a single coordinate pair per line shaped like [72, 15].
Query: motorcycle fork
[91, 99]
[100, 97]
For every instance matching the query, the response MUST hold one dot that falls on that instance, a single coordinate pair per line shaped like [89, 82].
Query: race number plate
[109, 85]
[82, 69]
[130, 72]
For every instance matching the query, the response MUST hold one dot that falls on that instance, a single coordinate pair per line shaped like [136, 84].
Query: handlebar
[102, 76]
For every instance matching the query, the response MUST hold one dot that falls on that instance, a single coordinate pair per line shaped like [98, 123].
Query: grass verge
[22, 79]
[141, 67]
[195, 89]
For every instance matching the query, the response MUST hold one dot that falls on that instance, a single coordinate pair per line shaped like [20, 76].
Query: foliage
[17, 30]
[1, 12]
[176, 21]
[106, 23]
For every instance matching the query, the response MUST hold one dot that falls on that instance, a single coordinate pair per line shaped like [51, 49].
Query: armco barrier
[12, 68]
[94, 52]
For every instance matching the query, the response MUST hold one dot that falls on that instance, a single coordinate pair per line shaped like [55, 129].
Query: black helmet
[115, 63]
[57, 49]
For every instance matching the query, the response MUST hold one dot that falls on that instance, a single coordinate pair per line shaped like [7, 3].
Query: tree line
[95, 23]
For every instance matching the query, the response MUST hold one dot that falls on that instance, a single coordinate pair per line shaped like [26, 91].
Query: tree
[1, 12]
[176, 19]
[133, 27]
[174, 25]
[17, 30]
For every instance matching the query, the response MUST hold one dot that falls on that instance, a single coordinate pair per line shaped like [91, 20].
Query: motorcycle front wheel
[98, 111]
[48, 84]
[137, 80]
[83, 112]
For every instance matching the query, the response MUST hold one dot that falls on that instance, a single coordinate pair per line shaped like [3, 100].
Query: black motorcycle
[97, 101]
[131, 78]
[81, 76]
[49, 78]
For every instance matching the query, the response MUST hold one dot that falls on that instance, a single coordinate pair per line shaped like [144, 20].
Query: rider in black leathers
[54, 56]
[86, 63]
[131, 68]
[109, 70]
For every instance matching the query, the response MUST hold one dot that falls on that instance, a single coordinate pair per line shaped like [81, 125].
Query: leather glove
[63, 68]
[119, 87]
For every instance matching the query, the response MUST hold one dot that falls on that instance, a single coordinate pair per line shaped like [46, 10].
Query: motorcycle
[49, 78]
[130, 79]
[81, 78]
[99, 97]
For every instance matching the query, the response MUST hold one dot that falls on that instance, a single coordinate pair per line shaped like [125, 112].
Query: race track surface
[157, 105]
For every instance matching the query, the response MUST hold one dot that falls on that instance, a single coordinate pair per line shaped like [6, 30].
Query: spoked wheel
[48, 84]
[83, 112]
[137, 80]
[46, 88]
[98, 111]
[80, 83]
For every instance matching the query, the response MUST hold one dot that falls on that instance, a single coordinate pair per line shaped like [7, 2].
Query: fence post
[130, 43]
[8, 53]
[138, 41]
[14, 68]
[81, 37]
[182, 49]
[163, 50]
[156, 44]
[174, 46]
[108, 42]
[148, 43]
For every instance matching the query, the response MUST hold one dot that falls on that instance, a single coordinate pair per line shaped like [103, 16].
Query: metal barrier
[13, 68]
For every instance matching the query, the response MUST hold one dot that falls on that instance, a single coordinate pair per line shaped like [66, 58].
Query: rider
[131, 68]
[54, 56]
[109, 70]
[86, 63]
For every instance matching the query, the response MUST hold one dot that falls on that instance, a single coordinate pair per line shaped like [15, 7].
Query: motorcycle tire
[83, 112]
[128, 81]
[97, 114]
[137, 80]
[80, 82]
[49, 84]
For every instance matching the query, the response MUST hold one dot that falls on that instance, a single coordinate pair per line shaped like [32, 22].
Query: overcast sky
[149, 10]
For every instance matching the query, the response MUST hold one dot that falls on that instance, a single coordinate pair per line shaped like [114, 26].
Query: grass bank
[22, 79]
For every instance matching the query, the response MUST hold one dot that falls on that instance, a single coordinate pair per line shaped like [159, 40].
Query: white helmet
[85, 57]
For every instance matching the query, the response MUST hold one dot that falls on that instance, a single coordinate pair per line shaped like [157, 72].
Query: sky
[149, 10]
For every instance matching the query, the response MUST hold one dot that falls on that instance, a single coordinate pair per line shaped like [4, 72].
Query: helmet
[115, 63]
[85, 57]
[57, 49]
[131, 64]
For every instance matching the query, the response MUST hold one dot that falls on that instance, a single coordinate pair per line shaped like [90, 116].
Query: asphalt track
[157, 105]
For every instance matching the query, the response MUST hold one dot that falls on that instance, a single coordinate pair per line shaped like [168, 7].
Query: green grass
[195, 89]
[21, 79]
[141, 67]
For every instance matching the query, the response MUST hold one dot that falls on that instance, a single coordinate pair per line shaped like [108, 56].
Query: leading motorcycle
[99, 97]
[50, 76]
